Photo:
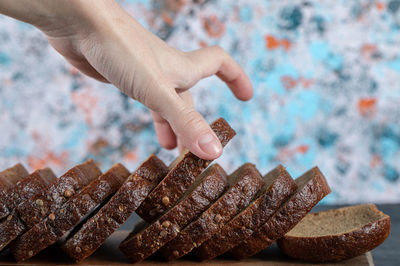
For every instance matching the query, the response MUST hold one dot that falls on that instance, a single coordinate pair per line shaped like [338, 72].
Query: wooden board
[109, 254]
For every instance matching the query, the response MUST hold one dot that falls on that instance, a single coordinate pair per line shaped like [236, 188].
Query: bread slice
[57, 193]
[278, 187]
[245, 183]
[25, 188]
[337, 234]
[46, 200]
[312, 187]
[8, 179]
[183, 172]
[32, 184]
[67, 216]
[53, 227]
[89, 236]
[207, 188]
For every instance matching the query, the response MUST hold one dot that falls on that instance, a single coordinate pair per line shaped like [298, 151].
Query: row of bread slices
[186, 207]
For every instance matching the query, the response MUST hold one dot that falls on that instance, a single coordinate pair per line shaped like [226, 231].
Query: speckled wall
[327, 92]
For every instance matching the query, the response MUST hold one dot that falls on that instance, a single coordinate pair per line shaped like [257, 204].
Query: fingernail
[210, 144]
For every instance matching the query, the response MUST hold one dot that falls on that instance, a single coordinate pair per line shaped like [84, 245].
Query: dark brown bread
[279, 186]
[312, 187]
[183, 172]
[245, 183]
[8, 179]
[27, 187]
[95, 231]
[67, 216]
[57, 193]
[207, 188]
[32, 184]
[337, 234]
[10, 228]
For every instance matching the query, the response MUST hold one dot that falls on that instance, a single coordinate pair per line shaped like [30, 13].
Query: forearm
[48, 15]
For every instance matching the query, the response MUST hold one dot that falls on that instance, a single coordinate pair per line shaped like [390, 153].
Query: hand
[104, 42]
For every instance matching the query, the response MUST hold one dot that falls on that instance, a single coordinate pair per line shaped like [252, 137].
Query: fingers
[165, 134]
[214, 60]
[188, 99]
[191, 129]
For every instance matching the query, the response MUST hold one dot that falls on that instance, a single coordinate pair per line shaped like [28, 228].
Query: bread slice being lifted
[183, 173]
[337, 234]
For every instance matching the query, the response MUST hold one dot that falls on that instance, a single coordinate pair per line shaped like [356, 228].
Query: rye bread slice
[207, 188]
[183, 172]
[57, 193]
[278, 187]
[8, 180]
[337, 234]
[33, 184]
[27, 187]
[67, 216]
[312, 187]
[245, 184]
[89, 236]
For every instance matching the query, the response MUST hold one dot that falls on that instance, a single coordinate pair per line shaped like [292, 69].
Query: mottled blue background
[327, 92]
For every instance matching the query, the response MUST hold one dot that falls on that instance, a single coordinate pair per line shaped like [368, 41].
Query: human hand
[104, 42]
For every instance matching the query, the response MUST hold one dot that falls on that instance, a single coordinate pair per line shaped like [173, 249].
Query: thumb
[192, 130]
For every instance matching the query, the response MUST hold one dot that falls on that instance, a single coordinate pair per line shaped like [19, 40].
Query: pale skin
[104, 42]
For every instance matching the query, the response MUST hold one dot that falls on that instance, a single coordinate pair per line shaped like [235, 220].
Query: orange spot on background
[203, 44]
[368, 50]
[367, 106]
[49, 158]
[86, 102]
[214, 27]
[380, 6]
[130, 156]
[375, 161]
[74, 71]
[289, 82]
[286, 44]
[167, 18]
[286, 154]
[273, 43]
[302, 149]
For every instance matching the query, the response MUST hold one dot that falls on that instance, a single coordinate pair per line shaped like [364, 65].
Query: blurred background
[327, 92]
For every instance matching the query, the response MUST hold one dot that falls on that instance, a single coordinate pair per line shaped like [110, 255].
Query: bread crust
[25, 188]
[67, 216]
[57, 193]
[337, 247]
[140, 245]
[246, 222]
[299, 204]
[247, 184]
[180, 177]
[116, 211]
[8, 179]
